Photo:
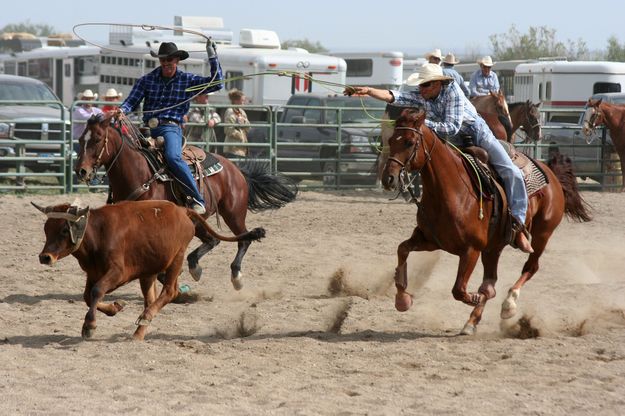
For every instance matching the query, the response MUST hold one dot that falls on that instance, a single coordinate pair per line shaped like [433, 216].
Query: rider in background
[484, 80]
[166, 101]
[450, 115]
[448, 69]
[434, 57]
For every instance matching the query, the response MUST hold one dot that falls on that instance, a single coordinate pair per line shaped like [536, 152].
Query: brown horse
[449, 213]
[494, 110]
[526, 116]
[230, 193]
[613, 117]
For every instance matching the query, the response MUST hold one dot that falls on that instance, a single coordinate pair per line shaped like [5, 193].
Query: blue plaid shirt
[481, 85]
[448, 114]
[158, 92]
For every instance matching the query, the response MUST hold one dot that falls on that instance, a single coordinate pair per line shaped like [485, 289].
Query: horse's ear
[599, 101]
[420, 116]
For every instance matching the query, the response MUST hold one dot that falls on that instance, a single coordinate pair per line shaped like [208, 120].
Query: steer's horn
[44, 210]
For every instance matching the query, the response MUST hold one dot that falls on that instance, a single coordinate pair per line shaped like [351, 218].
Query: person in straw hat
[83, 112]
[448, 69]
[166, 100]
[450, 115]
[434, 57]
[484, 80]
[112, 96]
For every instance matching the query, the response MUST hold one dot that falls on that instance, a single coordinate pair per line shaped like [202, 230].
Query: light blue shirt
[481, 85]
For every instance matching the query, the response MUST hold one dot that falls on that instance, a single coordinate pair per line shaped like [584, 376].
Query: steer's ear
[44, 210]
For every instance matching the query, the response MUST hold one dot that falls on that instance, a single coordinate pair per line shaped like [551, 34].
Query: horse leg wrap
[401, 276]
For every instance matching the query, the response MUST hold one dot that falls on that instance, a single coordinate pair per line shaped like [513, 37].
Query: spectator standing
[206, 116]
[236, 134]
[83, 112]
[111, 96]
[434, 57]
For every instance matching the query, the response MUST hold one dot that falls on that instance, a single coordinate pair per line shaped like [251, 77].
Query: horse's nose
[388, 181]
[45, 258]
[81, 173]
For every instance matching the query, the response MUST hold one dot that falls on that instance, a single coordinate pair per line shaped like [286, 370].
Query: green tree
[538, 42]
[304, 44]
[616, 51]
[37, 29]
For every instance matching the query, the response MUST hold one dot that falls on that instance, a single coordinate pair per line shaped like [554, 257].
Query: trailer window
[548, 91]
[606, 87]
[359, 67]
[235, 83]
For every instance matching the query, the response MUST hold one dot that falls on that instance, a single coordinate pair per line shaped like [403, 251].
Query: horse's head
[404, 147]
[94, 150]
[593, 116]
[531, 125]
[500, 103]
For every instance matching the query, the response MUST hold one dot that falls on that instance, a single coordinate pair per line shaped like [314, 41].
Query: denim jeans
[510, 174]
[173, 157]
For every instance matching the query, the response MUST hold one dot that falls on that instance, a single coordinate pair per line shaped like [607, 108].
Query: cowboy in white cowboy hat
[434, 57]
[81, 113]
[448, 69]
[484, 80]
[112, 94]
[166, 100]
[451, 116]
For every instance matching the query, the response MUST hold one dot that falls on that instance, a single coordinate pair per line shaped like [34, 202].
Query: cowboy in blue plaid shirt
[162, 92]
[449, 113]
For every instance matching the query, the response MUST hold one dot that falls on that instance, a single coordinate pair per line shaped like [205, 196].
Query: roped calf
[118, 243]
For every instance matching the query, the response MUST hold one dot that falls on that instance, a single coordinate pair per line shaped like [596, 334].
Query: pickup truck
[562, 132]
[307, 138]
[30, 111]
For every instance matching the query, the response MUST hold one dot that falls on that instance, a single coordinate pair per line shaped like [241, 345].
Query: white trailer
[374, 69]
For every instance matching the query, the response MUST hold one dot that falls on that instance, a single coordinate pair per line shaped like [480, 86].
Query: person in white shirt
[82, 113]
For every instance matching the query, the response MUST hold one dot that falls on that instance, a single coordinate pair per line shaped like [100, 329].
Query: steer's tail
[255, 235]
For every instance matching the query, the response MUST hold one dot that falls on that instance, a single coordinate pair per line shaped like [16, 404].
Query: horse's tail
[267, 191]
[574, 205]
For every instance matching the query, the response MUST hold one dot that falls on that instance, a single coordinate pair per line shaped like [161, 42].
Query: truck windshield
[26, 92]
[356, 111]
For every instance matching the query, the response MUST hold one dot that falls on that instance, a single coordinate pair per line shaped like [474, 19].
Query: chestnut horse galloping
[230, 193]
[448, 216]
[613, 117]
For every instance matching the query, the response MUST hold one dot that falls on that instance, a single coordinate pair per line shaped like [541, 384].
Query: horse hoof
[507, 312]
[196, 273]
[468, 330]
[119, 305]
[403, 302]
[87, 333]
[237, 283]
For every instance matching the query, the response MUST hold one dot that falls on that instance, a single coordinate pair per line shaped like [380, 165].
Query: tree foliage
[538, 42]
[37, 29]
[315, 47]
[616, 51]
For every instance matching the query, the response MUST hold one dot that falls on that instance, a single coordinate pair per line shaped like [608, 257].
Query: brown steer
[118, 243]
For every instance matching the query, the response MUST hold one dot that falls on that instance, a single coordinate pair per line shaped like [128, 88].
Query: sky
[413, 27]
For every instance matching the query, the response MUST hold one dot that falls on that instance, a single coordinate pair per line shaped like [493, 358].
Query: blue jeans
[173, 157]
[510, 174]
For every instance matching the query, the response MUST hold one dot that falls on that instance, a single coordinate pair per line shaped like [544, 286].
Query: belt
[166, 121]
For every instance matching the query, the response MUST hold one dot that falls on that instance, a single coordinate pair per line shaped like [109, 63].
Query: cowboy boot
[521, 242]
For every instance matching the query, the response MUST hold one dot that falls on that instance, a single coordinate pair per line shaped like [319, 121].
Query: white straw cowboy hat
[486, 61]
[87, 94]
[412, 80]
[450, 59]
[431, 72]
[436, 53]
[112, 93]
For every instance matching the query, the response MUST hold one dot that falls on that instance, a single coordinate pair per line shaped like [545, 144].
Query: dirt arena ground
[314, 330]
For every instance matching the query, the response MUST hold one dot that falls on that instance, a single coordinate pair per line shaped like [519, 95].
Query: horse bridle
[531, 125]
[98, 160]
[403, 172]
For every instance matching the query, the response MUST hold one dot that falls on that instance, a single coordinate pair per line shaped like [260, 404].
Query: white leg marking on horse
[509, 306]
[237, 283]
[468, 329]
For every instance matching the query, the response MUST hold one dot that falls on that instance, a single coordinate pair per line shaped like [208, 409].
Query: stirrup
[517, 227]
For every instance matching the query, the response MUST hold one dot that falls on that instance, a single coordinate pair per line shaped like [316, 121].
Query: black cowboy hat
[170, 50]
